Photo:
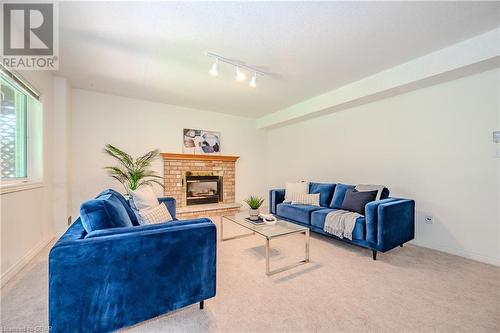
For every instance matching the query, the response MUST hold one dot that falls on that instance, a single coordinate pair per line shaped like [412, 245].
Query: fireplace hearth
[203, 190]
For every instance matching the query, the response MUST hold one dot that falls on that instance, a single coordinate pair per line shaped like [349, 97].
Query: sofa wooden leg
[374, 253]
[202, 304]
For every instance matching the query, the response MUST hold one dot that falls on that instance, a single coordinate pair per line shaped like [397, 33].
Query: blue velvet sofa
[388, 222]
[111, 278]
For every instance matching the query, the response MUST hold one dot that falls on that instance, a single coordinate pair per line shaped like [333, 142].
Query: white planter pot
[254, 214]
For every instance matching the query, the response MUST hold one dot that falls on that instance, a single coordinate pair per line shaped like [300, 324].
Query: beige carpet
[408, 289]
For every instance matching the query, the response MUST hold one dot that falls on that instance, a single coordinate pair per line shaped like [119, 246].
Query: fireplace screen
[203, 189]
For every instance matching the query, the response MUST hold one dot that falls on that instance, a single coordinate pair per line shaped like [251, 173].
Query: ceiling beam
[465, 58]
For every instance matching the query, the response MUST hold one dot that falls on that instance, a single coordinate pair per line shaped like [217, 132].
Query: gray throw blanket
[341, 223]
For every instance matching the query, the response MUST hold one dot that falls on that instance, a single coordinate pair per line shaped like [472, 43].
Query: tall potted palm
[130, 172]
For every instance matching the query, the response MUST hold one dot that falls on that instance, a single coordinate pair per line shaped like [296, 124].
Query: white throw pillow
[300, 187]
[305, 199]
[144, 197]
[365, 188]
[155, 215]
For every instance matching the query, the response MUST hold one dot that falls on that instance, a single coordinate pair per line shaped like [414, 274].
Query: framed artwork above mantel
[200, 142]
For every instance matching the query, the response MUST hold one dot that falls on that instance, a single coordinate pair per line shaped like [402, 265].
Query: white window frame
[34, 146]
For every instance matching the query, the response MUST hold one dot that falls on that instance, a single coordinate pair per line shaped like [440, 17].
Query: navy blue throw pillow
[104, 212]
[356, 201]
[325, 192]
[119, 196]
[339, 195]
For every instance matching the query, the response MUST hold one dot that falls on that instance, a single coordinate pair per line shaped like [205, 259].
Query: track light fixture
[241, 69]
[215, 68]
[240, 76]
[253, 81]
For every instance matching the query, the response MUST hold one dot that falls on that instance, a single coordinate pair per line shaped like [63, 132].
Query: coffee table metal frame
[255, 229]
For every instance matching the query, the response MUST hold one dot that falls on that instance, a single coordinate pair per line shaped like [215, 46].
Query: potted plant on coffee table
[254, 203]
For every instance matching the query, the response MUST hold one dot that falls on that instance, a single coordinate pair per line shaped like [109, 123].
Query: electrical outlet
[429, 219]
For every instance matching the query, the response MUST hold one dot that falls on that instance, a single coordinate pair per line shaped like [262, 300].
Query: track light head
[242, 70]
[240, 75]
[253, 81]
[215, 68]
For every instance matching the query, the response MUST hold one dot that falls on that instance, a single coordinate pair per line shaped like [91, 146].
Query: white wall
[61, 157]
[433, 145]
[138, 126]
[26, 216]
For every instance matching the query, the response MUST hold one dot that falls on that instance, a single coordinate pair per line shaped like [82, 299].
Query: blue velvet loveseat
[111, 278]
[388, 222]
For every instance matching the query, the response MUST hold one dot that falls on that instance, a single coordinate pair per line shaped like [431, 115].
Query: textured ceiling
[156, 50]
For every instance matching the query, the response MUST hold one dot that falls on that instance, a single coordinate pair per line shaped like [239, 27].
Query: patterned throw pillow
[156, 214]
[305, 199]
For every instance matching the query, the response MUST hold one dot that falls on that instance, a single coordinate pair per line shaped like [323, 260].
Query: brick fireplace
[187, 171]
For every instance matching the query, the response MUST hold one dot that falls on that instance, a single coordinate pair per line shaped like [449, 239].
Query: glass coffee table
[268, 231]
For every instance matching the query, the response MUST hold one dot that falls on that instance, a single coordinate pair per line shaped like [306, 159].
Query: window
[21, 134]
[13, 132]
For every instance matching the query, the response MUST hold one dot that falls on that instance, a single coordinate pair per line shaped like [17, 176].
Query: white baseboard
[18, 266]
[468, 255]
